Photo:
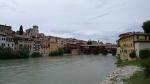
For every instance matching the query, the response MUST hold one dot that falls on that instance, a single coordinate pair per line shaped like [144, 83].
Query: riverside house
[130, 42]
[24, 41]
[7, 41]
[53, 44]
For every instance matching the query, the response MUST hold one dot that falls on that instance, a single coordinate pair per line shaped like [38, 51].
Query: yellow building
[53, 44]
[127, 41]
[45, 45]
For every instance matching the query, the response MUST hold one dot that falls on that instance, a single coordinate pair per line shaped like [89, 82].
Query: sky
[100, 20]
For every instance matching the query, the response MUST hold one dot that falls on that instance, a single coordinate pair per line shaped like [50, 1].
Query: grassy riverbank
[128, 63]
[138, 77]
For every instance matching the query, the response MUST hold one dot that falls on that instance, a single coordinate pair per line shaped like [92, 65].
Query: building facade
[33, 32]
[45, 46]
[139, 45]
[53, 44]
[128, 43]
[7, 41]
[23, 42]
[61, 42]
[6, 29]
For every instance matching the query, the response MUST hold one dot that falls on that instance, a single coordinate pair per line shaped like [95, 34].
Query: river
[86, 69]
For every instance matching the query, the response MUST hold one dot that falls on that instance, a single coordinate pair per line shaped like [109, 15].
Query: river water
[86, 69]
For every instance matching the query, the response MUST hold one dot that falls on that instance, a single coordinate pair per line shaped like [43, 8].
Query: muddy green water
[56, 70]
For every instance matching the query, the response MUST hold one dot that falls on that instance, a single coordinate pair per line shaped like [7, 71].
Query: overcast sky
[84, 19]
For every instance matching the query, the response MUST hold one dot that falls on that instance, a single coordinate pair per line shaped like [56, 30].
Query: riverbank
[120, 74]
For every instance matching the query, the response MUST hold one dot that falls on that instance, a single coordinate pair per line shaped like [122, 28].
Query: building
[45, 46]
[33, 32]
[6, 29]
[22, 41]
[71, 41]
[37, 45]
[53, 44]
[139, 45]
[7, 41]
[61, 42]
[130, 42]
[109, 47]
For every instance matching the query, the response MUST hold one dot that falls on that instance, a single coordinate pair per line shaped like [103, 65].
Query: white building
[7, 41]
[140, 45]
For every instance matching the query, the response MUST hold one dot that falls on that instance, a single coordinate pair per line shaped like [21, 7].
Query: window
[8, 45]
[3, 44]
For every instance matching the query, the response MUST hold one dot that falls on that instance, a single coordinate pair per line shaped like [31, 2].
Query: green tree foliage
[36, 54]
[144, 54]
[146, 64]
[8, 53]
[146, 27]
[23, 53]
[132, 54]
[21, 30]
[66, 50]
[59, 52]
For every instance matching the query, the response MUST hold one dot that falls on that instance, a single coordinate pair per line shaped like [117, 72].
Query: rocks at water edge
[117, 76]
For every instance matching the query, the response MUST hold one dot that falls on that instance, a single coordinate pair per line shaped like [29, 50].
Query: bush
[7, 53]
[146, 64]
[66, 50]
[23, 53]
[132, 54]
[144, 54]
[36, 54]
[59, 52]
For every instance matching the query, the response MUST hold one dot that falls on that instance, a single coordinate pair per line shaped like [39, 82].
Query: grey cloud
[3, 5]
[84, 19]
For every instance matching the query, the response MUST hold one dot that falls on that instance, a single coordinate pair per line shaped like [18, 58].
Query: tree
[36, 54]
[23, 53]
[146, 64]
[21, 30]
[146, 27]
[144, 53]
[132, 54]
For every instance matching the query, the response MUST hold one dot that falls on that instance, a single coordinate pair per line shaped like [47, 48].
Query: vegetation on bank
[8, 53]
[138, 78]
[36, 54]
[142, 77]
[59, 52]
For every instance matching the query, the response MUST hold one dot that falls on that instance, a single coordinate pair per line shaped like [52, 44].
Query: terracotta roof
[131, 33]
[124, 35]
